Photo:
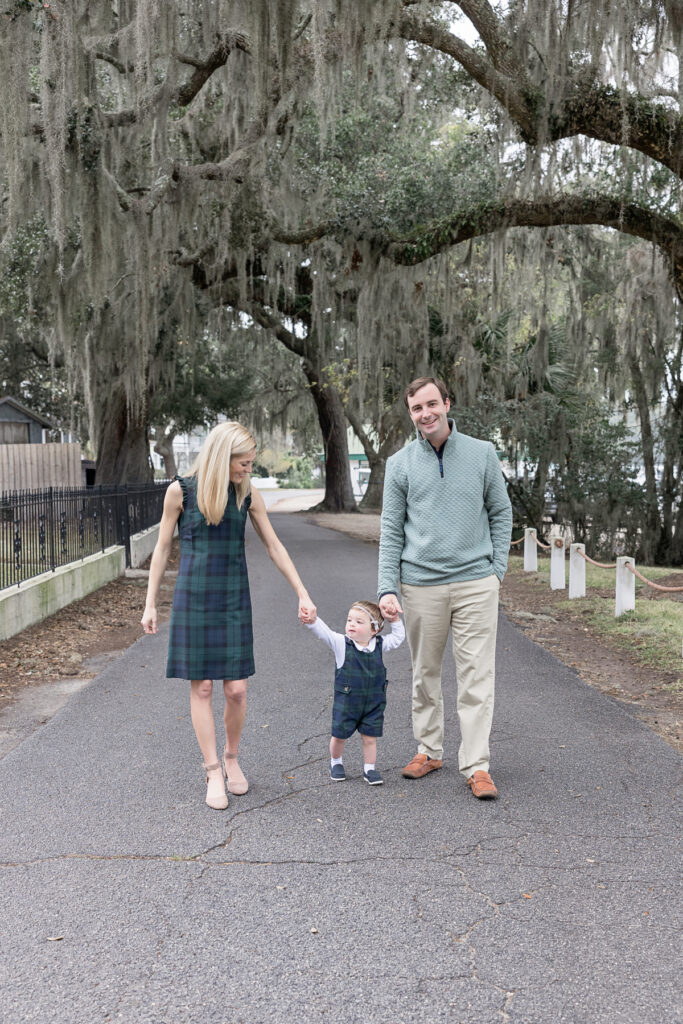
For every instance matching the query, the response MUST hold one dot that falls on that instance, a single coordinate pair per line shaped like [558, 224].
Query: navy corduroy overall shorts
[359, 692]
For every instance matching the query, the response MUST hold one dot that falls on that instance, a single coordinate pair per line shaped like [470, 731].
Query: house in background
[18, 425]
[28, 460]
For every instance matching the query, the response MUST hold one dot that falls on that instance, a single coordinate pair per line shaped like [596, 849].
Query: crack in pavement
[317, 736]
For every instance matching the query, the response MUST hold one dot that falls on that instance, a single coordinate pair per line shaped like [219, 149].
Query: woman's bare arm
[278, 553]
[173, 506]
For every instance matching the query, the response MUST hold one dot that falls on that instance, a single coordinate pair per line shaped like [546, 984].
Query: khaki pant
[470, 610]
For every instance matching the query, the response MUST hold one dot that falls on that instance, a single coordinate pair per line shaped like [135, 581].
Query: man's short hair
[420, 382]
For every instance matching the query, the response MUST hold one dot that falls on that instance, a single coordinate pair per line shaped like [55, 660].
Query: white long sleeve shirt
[337, 641]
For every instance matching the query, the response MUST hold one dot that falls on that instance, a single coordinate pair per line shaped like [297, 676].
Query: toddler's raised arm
[398, 635]
[335, 641]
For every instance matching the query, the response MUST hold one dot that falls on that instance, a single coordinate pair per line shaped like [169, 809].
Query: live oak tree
[159, 140]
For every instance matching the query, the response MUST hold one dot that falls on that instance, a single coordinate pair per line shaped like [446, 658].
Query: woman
[211, 634]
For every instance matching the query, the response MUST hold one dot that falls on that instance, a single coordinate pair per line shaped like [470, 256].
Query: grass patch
[653, 632]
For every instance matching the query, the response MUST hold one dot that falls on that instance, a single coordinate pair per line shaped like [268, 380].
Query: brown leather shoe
[482, 786]
[419, 766]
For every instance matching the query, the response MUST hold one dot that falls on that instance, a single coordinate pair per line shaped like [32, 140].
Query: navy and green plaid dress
[211, 635]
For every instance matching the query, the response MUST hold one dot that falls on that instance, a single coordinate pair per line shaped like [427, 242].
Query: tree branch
[587, 107]
[302, 236]
[235, 166]
[508, 91]
[621, 118]
[226, 292]
[494, 37]
[126, 200]
[123, 69]
[184, 94]
[550, 211]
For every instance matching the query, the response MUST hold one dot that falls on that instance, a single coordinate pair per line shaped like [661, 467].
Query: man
[446, 526]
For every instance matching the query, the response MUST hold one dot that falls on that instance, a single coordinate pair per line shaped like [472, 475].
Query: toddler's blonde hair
[371, 609]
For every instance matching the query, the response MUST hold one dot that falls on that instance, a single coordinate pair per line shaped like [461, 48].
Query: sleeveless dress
[211, 634]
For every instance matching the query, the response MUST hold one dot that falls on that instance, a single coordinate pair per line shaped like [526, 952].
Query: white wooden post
[530, 550]
[577, 572]
[558, 572]
[626, 587]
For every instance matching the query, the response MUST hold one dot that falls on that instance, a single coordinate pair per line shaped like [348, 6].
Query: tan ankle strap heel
[239, 785]
[216, 797]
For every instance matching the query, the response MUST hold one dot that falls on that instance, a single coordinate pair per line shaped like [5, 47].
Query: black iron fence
[41, 530]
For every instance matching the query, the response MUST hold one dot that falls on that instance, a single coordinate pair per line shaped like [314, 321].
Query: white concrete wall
[44, 595]
[142, 545]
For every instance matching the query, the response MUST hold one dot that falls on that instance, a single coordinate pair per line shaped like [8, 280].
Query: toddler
[360, 682]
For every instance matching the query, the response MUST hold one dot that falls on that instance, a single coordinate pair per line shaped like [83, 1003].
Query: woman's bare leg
[235, 710]
[201, 712]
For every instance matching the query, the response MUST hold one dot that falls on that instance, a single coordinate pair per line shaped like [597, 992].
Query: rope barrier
[600, 565]
[559, 543]
[655, 586]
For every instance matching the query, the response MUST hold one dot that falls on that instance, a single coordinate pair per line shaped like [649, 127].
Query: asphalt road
[126, 899]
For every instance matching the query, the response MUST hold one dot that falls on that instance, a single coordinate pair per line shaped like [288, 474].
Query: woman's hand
[307, 610]
[149, 620]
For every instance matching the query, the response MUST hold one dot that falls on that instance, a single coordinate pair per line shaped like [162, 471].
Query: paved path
[310, 901]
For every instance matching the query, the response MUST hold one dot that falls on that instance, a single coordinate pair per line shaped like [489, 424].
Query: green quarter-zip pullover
[446, 515]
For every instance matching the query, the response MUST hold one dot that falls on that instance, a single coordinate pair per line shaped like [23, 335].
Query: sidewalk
[128, 900]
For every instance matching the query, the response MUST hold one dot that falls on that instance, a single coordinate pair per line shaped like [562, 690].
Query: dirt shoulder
[64, 645]
[73, 642]
[618, 666]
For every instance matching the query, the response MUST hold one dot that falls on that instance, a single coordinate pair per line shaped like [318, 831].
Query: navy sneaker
[373, 778]
[337, 772]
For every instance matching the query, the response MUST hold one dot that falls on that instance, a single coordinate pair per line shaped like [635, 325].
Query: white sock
[368, 767]
[336, 760]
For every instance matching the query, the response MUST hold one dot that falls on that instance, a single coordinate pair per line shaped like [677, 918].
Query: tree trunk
[372, 499]
[163, 446]
[537, 496]
[670, 550]
[652, 526]
[675, 553]
[338, 487]
[392, 431]
[122, 443]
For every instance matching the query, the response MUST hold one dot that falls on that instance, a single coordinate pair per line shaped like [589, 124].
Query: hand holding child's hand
[390, 607]
[307, 611]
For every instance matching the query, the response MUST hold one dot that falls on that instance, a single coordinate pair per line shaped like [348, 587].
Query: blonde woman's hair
[371, 609]
[212, 469]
